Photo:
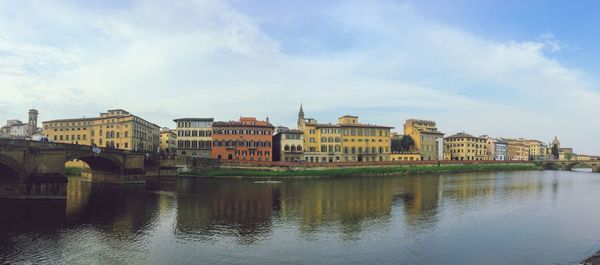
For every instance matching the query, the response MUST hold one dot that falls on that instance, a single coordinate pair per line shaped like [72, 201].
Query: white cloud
[203, 58]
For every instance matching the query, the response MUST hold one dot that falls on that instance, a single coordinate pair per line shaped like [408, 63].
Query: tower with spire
[301, 117]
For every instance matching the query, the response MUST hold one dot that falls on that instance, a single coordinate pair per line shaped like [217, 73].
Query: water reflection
[132, 221]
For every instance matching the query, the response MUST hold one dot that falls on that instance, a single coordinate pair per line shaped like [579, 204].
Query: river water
[532, 217]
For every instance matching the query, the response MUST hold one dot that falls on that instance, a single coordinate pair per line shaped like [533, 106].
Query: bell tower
[32, 125]
[300, 117]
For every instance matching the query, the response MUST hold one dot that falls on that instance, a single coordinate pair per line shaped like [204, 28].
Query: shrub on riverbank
[365, 171]
[73, 171]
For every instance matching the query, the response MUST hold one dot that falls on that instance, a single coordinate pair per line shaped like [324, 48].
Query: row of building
[249, 139]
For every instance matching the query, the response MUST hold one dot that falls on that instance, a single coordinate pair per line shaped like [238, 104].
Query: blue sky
[502, 68]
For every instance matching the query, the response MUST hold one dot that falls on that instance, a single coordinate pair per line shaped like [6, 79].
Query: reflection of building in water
[420, 200]
[465, 188]
[77, 195]
[124, 210]
[233, 208]
[351, 203]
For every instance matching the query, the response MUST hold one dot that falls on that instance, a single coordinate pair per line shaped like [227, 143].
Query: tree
[404, 144]
[407, 143]
[568, 156]
[555, 151]
[396, 145]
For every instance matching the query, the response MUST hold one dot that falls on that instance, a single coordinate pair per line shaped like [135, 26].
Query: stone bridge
[569, 164]
[30, 170]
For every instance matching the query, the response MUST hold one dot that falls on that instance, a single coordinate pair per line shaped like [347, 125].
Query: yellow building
[518, 150]
[116, 128]
[405, 156]
[463, 146]
[426, 136]
[364, 142]
[322, 142]
[537, 149]
[168, 141]
[346, 141]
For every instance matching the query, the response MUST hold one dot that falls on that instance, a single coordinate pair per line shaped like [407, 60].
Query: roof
[118, 110]
[242, 124]
[463, 135]
[363, 125]
[291, 131]
[428, 132]
[421, 121]
[349, 116]
[328, 125]
[76, 119]
[193, 119]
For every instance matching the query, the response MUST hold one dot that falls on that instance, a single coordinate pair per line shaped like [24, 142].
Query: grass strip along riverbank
[363, 171]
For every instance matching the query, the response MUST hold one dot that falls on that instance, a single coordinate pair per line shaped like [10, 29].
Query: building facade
[517, 150]
[19, 130]
[194, 137]
[426, 136]
[347, 141]
[463, 146]
[247, 139]
[168, 142]
[364, 142]
[116, 128]
[288, 145]
[500, 150]
[405, 156]
[537, 150]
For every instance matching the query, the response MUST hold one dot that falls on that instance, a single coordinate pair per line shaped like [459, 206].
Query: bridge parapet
[30, 169]
[569, 164]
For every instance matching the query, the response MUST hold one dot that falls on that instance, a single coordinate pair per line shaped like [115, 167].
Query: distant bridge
[569, 164]
[30, 169]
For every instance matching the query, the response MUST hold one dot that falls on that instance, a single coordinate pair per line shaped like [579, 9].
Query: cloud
[383, 62]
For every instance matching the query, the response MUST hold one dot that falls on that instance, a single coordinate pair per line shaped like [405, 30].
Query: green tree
[555, 153]
[396, 146]
[568, 156]
[404, 144]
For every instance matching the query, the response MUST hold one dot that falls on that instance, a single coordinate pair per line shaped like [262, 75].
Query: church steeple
[300, 116]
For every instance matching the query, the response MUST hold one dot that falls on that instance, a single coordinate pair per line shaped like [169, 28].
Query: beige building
[537, 149]
[426, 136]
[168, 141]
[518, 150]
[194, 137]
[463, 146]
[288, 145]
[116, 128]
[18, 130]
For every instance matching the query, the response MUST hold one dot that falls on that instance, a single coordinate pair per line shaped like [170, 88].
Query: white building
[17, 129]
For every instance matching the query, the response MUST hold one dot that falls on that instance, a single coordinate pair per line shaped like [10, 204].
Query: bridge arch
[568, 165]
[98, 163]
[11, 171]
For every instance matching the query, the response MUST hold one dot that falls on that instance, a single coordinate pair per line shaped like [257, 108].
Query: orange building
[246, 139]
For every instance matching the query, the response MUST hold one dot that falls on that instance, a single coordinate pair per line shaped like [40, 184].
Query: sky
[501, 68]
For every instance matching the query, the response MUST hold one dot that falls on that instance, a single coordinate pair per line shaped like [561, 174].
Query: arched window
[107, 134]
[299, 148]
[286, 148]
[293, 149]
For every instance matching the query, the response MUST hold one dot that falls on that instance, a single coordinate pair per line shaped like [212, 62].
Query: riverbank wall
[292, 166]
[277, 169]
